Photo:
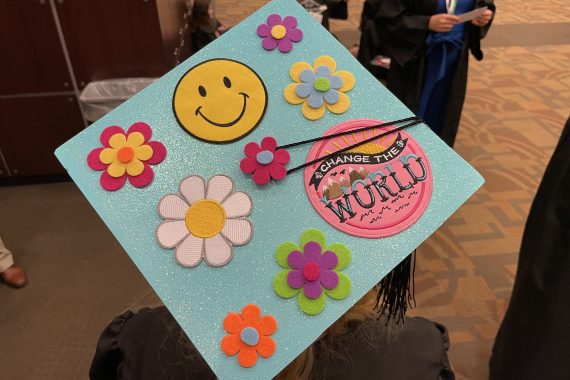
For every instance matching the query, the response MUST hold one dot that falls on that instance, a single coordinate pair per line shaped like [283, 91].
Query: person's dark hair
[200, 15]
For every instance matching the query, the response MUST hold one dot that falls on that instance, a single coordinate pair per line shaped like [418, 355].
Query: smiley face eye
[202, 91]
[227, 82]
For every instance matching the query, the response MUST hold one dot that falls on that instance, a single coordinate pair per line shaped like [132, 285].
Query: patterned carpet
[518, 100]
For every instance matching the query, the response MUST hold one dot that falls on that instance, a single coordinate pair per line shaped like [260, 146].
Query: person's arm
[485, 20]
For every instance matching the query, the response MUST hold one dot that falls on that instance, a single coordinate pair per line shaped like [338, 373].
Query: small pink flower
[279, 33]
[265, 162]
[126, 155]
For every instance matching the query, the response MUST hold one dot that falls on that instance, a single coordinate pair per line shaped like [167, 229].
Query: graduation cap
[264, 185]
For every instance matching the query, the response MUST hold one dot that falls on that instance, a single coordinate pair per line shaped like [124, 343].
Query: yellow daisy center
[126, 154]
[205, 218]
[278, 32]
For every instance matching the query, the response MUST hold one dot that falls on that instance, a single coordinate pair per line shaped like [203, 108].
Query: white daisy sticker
[205, 221]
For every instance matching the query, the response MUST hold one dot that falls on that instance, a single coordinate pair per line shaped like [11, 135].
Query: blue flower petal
[323, 71]
[304, 89]
[307, 76]
[336, 82]
[315, 100]
[331, 96]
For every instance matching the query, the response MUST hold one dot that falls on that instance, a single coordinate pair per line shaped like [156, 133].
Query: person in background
[11, 274]
[429, 51]
[204, 27]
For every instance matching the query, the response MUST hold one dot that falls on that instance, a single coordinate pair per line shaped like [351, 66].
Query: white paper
[471, 15]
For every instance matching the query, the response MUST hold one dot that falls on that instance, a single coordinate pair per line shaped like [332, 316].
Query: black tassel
[396, 291]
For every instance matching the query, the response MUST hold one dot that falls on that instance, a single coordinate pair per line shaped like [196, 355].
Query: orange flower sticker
[249, 335]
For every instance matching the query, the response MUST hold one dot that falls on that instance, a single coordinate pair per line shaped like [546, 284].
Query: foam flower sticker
[312, 271]
[280, 33]
[249, 335]
[264, 161]
[205, 221]
[126, 155]
[319, 87]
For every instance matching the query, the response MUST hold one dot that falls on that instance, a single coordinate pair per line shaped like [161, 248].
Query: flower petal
[282, 252]
[328, 260]
[193, 189]
[233, 323]
[263, 30]
[218, 252]
[251, 314]
[93, 160]
[238, 231]
[312, 251]
[315, 100]
[290, 22]
[313, 113]
[268, 143]
[107, 155]
[231, 344]
[251, 149]
[190, 252]
[308, 76]
[110, 183]
[118, 140]
[247, 357]
[294, 35]
[265, 347]
[116, 169]
[312, 307]
[248, 165]
[237, 205]
[135, 139]
[281, 287]
[331, 96]
[342, 290]
[172, 206]
[135, 167]
[261, 176]
[343, 254]
[313, 290]
[296, 260]
[267, 325]
[304, 90]
[269, 43]
[143, 152]
[348, 80]
[290, 94]
[323, 71]
[170, 233]
[325, 60]
[285, 45]
[336, 82]
[277, 171]
[158, 152]
[341, 106]
[142, 128]
[143, 179]
[296, 70]
[108, 133]
[312, 234]
[295, 279]
[219, 188]
[329, 279]
[273, 19]
[281, 156]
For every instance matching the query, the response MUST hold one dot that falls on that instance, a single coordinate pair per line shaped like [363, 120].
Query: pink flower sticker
[279, 33]
[126, 155]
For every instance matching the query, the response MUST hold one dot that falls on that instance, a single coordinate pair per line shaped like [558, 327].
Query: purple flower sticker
[279, 33]
[313, 271]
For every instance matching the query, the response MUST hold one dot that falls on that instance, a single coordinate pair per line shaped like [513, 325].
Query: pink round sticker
[374, 190]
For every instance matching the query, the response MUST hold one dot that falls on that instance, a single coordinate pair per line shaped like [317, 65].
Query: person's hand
[442, 22]
[483, 19]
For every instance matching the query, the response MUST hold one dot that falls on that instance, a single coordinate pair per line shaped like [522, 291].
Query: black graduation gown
[402, 27]
[534, 338]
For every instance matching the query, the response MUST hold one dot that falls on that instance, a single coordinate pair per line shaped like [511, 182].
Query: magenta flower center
[311, 271]
[264, 157]
[278, 32]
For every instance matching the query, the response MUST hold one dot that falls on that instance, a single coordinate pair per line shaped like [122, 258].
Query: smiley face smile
[225, 125]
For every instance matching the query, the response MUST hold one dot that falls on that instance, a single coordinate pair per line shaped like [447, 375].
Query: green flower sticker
[312, 271]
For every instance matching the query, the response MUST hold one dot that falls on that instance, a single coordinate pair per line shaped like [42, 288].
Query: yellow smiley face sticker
[220, 100]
